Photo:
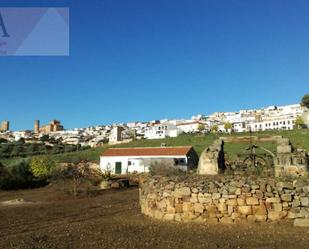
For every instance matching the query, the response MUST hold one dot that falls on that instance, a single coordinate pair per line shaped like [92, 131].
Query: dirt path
[113, 220]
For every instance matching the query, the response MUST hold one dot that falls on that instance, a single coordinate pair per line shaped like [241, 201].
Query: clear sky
[143, 60]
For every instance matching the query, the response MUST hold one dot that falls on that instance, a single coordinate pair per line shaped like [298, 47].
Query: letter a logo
[2, 26]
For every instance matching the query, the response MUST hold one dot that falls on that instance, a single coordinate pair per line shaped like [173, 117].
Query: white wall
[162, 131]
[138, 164]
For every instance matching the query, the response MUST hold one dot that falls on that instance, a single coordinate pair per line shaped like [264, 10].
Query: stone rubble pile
[226, 199]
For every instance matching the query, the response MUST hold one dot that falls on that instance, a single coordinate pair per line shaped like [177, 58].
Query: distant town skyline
[141, 60]
[38, 122]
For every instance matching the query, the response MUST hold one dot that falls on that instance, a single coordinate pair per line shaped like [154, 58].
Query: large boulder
[211, 159]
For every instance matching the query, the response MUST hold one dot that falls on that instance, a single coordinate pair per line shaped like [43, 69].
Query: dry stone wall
[225, 199]
[289, 162]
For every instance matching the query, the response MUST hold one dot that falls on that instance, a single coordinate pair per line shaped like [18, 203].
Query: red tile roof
[149, 151]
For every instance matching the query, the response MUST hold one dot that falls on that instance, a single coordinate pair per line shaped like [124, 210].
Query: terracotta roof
[148, 151]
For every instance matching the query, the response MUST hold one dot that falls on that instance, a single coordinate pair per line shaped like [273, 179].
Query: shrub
[41, 166]
[164, 168]
[19, 176]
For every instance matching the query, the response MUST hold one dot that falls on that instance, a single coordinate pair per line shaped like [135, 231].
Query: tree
[201, 127]
[41, 166]
[44, 138]
[214, 128]
[3, 140]
[227, 126]
[77, 172]
[299, 122]
[305, 100]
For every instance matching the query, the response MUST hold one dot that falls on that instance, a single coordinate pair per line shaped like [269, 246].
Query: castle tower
[37, 126]
[5, 126]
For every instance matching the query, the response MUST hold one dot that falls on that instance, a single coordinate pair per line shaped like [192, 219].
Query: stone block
[230, 209]
[252, 201]
[286, 197]
[193, 198]
[284, 185]
[231, 202]
[178, 208]
[238, 191]
[184, 191]
[246, 210]
[301, 222]
[296, 203]
[204, 199]
[222, 200]
[273, 200]
[212, 220]
[187, 207]
[169, 217]
[171, 210]
[251, 218]
[283, 149]
[234, 216]
[161, 204]
[216, 196]
[222, 207]
[158, 214]
[304, 201]
[226, 220]
[199, 208]
[277, 207]
[240, 201]
[178, 217]
[294, 213]
[276, 215]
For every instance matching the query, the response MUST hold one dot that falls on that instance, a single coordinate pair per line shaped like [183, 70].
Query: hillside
[299, 138]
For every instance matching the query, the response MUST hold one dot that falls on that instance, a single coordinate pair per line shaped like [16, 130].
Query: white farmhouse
[162, 131]
[131, 160]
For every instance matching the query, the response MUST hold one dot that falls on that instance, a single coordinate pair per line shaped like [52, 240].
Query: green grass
[299, 138]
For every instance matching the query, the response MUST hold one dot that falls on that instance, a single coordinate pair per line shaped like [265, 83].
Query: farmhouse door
[118, 168]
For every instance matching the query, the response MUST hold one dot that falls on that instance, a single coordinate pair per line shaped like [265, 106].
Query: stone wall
[289, 162]
[225, 199]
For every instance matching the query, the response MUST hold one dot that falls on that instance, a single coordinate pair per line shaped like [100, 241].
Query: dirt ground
[45, 218]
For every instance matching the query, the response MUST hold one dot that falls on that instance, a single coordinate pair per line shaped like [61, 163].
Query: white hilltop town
[269, 118]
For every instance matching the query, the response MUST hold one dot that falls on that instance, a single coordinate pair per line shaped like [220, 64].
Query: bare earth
[47, 218]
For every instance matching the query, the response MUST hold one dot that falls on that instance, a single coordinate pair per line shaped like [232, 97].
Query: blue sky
[143, 60]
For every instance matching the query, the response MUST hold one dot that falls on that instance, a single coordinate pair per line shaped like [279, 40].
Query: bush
[164, 168]
[19, 176]
[42, 166]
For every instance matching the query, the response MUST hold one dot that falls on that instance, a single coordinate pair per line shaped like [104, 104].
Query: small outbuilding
[139, 159]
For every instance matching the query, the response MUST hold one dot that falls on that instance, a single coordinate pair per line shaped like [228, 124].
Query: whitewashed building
[138, 160]
[162, 131]
[274, 124]
[116, 134]
[192, 126]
